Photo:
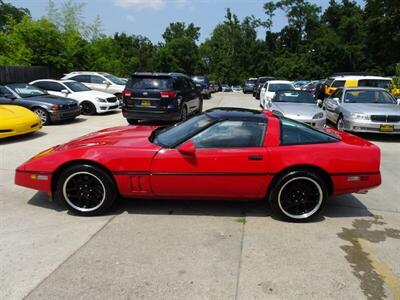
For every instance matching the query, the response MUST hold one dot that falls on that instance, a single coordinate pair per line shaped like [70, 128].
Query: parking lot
[195, 250]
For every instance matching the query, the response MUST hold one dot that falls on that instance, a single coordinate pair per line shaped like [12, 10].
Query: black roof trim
[237, 114]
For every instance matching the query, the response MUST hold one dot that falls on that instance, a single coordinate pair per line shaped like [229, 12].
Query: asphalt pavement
[194, 250]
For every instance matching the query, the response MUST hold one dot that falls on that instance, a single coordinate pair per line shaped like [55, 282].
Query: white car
[91, 102]
[99, 81]
[270, 87]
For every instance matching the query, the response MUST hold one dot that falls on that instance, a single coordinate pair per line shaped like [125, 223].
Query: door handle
[255, 157]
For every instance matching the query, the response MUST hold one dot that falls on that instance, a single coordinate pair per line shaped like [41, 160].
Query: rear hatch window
[150, 83]
[149, 92]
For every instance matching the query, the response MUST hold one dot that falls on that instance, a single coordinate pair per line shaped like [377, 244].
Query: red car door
[212, 171]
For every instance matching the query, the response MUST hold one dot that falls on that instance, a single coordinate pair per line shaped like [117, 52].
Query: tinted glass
[77, 86]
[231, 134]
[369, 96]
[179, 133]
[26, 90]
[296, 133]
[337, 94]
[81, 78]
[273, 87]
[4, 91]
[96, 79]
[294, 97]
[49, 86]
[338, 83]
[251, 82]
[150, 83]
[375, 83]
[115, 79]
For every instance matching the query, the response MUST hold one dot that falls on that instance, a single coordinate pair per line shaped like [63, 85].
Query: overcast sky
[150, 17]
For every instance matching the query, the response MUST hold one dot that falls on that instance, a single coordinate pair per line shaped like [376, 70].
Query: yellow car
[16, 120]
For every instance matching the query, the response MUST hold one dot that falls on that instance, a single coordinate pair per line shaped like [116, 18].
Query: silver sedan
[364, 110]
[297, 105]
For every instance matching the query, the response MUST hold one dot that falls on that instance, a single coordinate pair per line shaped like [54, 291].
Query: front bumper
[166, 115]
[369, 126]
[105, 107]
[62, 115]
[40, 181]
[19, 129]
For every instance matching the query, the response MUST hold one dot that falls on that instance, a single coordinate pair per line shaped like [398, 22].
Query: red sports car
[224, 153]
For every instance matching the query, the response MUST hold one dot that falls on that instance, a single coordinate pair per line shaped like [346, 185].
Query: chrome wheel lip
[81, 209]
[42, 115]
[306, 215]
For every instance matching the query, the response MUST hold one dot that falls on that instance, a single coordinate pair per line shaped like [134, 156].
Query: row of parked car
[150, 96]
[352, 103]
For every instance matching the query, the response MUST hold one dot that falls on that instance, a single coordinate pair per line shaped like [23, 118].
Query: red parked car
[224, 153]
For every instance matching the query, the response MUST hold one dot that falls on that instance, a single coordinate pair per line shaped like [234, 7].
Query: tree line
[344, 37]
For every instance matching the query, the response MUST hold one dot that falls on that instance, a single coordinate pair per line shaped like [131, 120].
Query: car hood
[373, 108]
[297, 110]
[56, 100]
[122, 136]
[14, 113]
[91, 95]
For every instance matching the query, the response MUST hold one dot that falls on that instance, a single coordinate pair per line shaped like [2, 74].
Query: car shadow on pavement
[22, 138]
[347, 206]
[68, 122]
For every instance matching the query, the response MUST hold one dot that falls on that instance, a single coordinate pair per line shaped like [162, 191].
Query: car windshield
[26, 90]
[114, 79]
[369, 96]
[173, 136]
[294, 97]
[249, 82]
[274, 87]
[76, 86]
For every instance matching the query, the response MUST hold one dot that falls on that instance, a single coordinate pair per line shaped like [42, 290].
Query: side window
[296, 133]
[192, 85]
[337, 94]
[4, 91]
[338, 83]
[96, 79]
[42, 85]
[50, 86]
[231, 134]
[179, 84]
[81, 78]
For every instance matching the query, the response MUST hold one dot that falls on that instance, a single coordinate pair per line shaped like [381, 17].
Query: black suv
[160, 96]
[259, 83]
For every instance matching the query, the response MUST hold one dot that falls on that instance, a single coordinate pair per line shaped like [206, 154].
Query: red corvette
[224, 153]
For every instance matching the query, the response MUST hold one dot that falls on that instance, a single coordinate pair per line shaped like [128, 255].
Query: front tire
[86, 190]
[43, 115]
[298, 196]
[340, 123]
[88, 108]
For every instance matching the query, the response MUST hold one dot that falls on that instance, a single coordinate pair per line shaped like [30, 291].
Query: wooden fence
[25, 74]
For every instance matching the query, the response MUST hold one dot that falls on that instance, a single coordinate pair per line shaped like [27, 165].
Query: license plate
[145, 103]
[386, 128]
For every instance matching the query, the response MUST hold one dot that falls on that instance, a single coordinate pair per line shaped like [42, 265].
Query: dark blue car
[48, 108]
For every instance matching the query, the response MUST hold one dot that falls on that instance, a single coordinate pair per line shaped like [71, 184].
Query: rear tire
[183, 113]
[86, 190]
[200, 110]
[298, 196]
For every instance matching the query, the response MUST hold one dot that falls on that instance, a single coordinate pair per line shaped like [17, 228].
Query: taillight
[126, 93]
[169, 95]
